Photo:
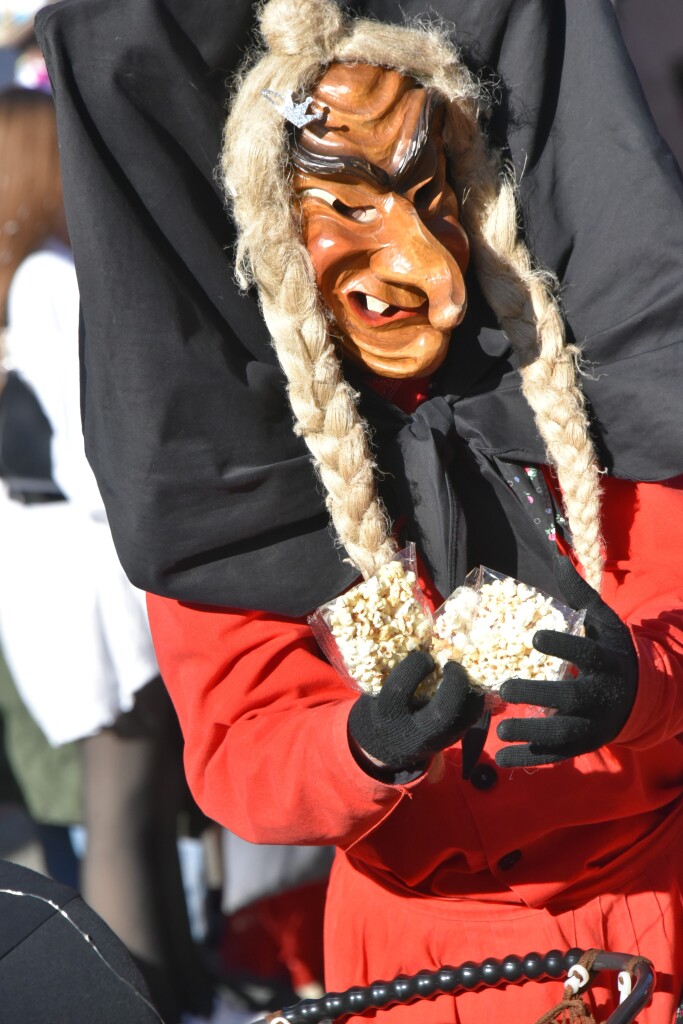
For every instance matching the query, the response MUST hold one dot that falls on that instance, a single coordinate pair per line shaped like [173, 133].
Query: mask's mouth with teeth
[375, 312]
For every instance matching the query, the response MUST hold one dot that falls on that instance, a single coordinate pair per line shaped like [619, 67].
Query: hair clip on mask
[295, 113]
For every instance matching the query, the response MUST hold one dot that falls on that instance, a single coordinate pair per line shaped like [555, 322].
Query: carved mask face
[380, 221]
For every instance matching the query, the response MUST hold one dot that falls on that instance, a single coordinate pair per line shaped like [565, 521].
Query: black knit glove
[592, 707]
[392, 728]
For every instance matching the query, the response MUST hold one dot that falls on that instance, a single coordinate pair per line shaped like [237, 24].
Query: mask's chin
[420, 358]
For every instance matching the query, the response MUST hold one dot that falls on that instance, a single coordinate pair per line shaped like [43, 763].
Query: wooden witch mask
[380, 220]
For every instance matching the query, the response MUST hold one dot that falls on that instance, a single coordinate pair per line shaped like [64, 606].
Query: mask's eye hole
[362, 214]
[318, 193]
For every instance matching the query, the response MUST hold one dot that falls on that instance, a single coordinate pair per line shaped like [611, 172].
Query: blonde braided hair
[303, 37]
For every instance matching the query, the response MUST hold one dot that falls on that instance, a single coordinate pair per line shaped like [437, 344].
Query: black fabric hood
[210, 496]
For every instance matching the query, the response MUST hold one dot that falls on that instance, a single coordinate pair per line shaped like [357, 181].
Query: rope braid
[303, 37]
[524, 302]
[270, 253]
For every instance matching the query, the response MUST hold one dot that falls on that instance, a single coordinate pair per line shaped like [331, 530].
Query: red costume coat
[588, 852]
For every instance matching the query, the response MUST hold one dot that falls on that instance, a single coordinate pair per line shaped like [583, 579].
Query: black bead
[381, 993]
[484, 776]
[334, 1005]
[469, 975]
[554, 963]
[402, 989]
[310, 1011]
[426, 984]
[512, 968]
[572, 957]
[491, 971]
[448, 979]
[313, 1013]
[533, 965]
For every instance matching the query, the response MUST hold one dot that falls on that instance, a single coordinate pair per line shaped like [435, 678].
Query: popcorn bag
[488, 625]
[367, 631]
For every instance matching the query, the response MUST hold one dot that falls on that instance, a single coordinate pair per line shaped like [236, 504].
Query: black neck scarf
[452, 468]
[211, 497]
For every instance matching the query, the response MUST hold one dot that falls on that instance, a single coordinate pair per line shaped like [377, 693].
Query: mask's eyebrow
[340, 166]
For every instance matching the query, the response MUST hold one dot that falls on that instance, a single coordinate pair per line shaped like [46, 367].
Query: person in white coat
[73, 629]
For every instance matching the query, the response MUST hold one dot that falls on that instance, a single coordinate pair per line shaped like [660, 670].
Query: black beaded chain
[428, 984]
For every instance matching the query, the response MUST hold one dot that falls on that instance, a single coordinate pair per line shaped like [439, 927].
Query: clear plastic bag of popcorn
[365, 632]
[488, 625]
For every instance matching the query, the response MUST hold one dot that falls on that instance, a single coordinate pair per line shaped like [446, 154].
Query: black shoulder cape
[210, 496]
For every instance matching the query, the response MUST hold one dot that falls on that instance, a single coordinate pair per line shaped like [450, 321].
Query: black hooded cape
[211, 497]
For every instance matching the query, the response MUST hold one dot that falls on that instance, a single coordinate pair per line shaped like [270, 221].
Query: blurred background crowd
[92, 791]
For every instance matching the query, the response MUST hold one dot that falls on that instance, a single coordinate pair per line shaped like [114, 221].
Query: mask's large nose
[413, 257]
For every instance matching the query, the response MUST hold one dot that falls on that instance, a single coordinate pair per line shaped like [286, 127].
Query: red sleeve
[643, 526]
[264, 717]
[264, 720]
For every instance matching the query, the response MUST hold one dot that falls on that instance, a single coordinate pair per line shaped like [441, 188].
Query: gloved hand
[400, 734]
[592, 707]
